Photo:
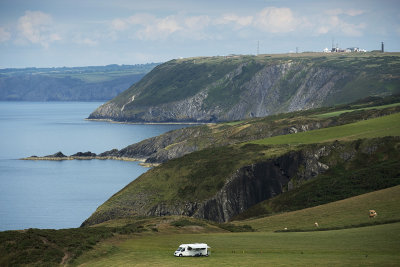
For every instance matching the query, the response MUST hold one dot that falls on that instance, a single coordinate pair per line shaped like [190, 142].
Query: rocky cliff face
[246, 88]
[250, 184]
[246, 187]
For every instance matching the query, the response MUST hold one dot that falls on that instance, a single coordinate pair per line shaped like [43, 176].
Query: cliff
[225, 89]
[219, 195]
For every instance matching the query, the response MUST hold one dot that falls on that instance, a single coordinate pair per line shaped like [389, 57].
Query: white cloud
[4, 35]
[159, 29]
[149, 27]
[238, 21]
[119, 24]
[37, 28]
[86, 41]
[275, 20]
[335, 24]
[197, 22]
[141, 19]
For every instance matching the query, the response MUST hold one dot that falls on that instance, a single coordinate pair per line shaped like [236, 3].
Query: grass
[378, 127]
[339, 214]
[337, 113]
[377, 245]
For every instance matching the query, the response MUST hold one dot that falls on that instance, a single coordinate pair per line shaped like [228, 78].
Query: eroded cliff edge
[246, 186]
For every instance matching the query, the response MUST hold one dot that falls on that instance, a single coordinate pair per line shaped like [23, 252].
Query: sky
[57, 33]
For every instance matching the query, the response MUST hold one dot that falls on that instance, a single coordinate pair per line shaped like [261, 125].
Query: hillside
[347, 213]
[219, 183]
[180, 142]
[216, 89]
[95, 83]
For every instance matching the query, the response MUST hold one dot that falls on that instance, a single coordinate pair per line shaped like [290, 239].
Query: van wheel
[180, 255]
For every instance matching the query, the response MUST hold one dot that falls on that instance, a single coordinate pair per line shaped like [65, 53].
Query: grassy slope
[368, 74]
[379, 127]
[337, 113]
[201, 174]
[340, 214]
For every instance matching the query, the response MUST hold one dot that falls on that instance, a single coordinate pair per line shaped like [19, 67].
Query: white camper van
[196, 249]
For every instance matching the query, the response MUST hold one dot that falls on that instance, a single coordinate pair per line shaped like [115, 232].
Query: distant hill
[212, 89]
[94, 83]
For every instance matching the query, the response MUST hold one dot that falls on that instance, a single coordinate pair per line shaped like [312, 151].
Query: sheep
[372, 214]
[316, 224]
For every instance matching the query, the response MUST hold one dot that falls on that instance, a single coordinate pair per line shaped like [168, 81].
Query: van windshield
[179, 249]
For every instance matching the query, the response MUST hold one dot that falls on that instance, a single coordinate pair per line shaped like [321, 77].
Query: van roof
[196, 245]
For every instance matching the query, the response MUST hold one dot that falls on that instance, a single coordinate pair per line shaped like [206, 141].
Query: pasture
[367, 246]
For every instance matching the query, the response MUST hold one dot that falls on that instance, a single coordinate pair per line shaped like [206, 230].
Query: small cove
[61, 194]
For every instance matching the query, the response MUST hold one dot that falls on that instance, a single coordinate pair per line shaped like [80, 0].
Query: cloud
[275, 20]
[86, 41]
[4, 35]
[159, 29]
[37, 27]
[119, 24]
[149, 27]
[238, 21]
[335, 24]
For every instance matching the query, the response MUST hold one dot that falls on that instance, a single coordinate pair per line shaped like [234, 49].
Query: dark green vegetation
[211, 89]
[358, 156]
[69, 84]
[41, 247]
[365, 172]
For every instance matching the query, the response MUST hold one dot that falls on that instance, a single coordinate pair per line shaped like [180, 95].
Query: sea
[61, 194]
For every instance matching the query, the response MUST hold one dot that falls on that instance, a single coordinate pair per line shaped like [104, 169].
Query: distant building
[354, 49]
[347, 50]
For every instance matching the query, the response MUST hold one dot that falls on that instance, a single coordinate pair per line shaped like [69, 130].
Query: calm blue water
[61, 194]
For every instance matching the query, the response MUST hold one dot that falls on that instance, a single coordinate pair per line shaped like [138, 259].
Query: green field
[367, 246]
[378, 127]
[377, 245]
[337, 113]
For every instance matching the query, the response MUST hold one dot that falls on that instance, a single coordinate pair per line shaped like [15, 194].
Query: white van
[196, 249]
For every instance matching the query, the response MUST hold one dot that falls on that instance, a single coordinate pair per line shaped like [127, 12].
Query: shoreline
[140, 160]
[150, 123]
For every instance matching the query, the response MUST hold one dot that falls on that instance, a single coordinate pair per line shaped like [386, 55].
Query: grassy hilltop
[233, 88]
